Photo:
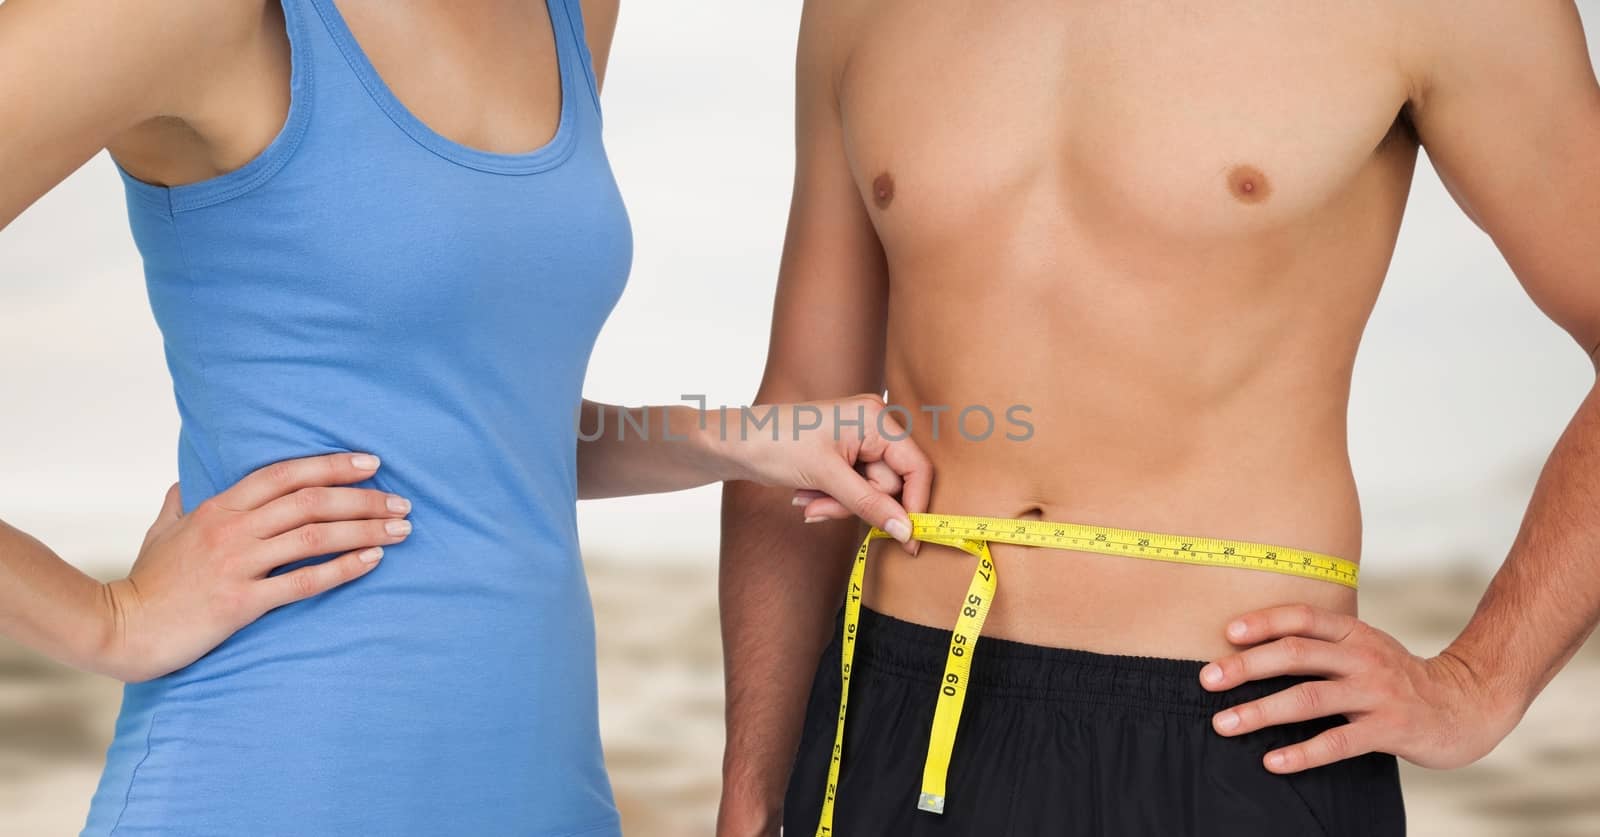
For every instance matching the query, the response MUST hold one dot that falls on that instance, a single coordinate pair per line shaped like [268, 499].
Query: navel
[883, 191]
[1248, 184]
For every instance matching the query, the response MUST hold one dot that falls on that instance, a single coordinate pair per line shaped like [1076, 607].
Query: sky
[1461, 386]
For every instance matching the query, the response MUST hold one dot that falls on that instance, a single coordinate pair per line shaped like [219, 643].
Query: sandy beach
[661, 695]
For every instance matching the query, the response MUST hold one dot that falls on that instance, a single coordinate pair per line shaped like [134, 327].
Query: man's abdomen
[1275, 479]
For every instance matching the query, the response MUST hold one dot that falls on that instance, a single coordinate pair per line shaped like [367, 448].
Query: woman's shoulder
[93, 74]
[224, 89]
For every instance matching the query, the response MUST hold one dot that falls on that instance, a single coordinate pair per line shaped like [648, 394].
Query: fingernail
[799, 501]
[364, 462]
[398, 505]
[1211, 674]
[372, 555]
[898, 529]
[815, 519]
[1227, 721]
[398, 527]
[1236, 630]
[1276, 761]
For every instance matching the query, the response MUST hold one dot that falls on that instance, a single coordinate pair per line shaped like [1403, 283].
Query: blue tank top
[366, 284]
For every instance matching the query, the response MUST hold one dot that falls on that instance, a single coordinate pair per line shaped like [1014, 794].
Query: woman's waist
[484, 485]
[469, 418]
[437, 436]
[408, 631]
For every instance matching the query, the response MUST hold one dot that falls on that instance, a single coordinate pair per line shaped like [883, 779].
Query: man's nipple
[883, 191]
[1248, 184]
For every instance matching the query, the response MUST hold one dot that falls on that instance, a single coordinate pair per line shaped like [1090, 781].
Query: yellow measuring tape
[973, 536]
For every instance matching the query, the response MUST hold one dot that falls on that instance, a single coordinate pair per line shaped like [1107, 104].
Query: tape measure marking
[973, 536]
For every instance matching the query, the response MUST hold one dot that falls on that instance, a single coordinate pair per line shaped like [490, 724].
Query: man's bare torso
[1159, 226]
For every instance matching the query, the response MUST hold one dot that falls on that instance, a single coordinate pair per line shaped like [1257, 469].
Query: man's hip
[1063, 742]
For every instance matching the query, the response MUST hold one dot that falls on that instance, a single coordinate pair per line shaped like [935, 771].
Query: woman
[379, 240]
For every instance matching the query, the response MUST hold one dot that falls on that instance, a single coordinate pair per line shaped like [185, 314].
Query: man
[1162, 227]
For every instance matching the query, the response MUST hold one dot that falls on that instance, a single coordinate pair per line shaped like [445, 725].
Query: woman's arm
[82, 75]
[201, 577]
[850, 450]
[599, 25]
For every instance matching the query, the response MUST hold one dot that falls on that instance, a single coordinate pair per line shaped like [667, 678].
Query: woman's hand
[846, 458]
[201, 577]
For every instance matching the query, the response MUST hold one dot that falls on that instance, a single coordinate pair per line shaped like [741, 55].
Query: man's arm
[1511, 119]
[1506, 103]
[781, 580]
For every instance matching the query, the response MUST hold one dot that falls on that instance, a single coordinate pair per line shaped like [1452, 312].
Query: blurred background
[1461, 389]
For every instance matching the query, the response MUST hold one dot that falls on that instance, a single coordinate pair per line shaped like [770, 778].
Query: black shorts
[1055, 741]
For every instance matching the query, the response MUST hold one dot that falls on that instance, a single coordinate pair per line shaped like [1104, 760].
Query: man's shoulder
[1438, 39]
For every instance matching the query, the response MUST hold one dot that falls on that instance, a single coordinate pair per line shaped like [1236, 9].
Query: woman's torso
[365, 283]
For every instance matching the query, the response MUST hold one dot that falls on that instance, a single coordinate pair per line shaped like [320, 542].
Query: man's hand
[1433, 712]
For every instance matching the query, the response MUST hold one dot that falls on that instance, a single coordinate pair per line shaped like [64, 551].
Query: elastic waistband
[1002, 667]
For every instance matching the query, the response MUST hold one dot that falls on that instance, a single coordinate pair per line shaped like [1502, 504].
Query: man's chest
[1194, 117]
